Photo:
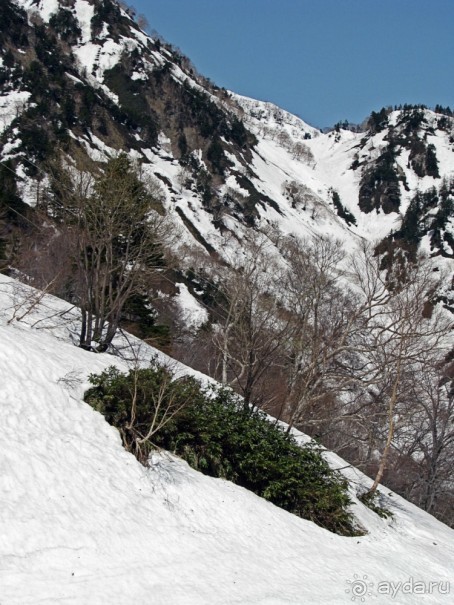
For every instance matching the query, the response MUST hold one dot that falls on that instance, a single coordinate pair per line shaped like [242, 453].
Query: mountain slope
[83, 522]
[80, 82]
[81, 75]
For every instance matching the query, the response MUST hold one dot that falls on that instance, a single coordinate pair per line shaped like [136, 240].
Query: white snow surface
[12, 104]
[193, 314]
[45, 8]
[84, 13]
[82, 522]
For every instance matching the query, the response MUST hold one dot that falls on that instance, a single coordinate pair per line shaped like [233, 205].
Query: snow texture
[192, 314]
[12, 104]
[82, 522]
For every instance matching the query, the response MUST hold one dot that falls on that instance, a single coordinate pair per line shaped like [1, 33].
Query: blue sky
[325, 60]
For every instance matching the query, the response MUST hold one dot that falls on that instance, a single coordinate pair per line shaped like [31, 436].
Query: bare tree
[302, 197]
[322, 323]
[164, 401]
[143, 22]
[302, 152]
[401, 332]
[250, 327]
[353, 351]
[420, 465]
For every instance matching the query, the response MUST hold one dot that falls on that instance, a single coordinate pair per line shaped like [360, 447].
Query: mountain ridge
[202, 129]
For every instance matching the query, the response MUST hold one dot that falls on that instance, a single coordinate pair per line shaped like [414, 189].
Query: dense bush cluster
[217, 436]
[379, 187]
[13, 19]
[378, 120]
[106, 11]
[341, 210]
[66, 25]
[138, 114]
[428, 213]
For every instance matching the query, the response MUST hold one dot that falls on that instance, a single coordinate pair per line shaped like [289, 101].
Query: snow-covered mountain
[83, 522]
[81, 74]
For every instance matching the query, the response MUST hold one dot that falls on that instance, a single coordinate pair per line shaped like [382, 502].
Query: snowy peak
[99, 31]
[262, 114]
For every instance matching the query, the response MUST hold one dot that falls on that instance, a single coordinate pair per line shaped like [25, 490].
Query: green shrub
[12, 208]
[65, 23]
[140, 403]
[215, 435]
[341, 210]
[13, 21]
[373, 500]
[137, 112]
[141, 314]
[215, 154]
[378, 120]
[379, 186]
[432, 161]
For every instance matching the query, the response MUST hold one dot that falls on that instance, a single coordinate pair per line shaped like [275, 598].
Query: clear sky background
[324, 60]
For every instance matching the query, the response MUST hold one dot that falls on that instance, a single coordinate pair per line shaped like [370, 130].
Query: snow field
[83, 522]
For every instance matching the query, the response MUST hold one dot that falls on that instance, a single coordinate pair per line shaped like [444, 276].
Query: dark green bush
[379, 187]
[141, 315]
[432, 161]
[35, 143]
[13, 21]
[215, 154]
[378, 120]
[373, 500]
[49, 54]
[137, 112]
[106, 11]
[215, 435]
[139, 401]
[341, 210]
[65, 23]
[239, 134]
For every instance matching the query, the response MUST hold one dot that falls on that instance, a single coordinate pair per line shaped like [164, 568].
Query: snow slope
[82, 522]
[333, 154]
